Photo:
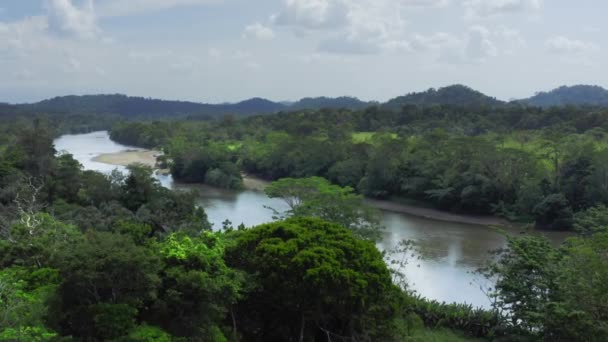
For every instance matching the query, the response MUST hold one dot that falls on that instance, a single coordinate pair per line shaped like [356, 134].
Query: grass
[365, 137]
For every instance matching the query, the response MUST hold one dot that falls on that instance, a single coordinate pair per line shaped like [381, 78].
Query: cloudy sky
[229, 50]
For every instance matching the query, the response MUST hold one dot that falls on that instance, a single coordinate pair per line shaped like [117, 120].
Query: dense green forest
[86, 256]
[522, 163]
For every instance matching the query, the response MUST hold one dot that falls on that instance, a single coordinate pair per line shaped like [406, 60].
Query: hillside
[457, 95]
[134, 107]
[574, 95]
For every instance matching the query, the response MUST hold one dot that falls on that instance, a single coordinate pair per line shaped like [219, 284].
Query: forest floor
[127, 158]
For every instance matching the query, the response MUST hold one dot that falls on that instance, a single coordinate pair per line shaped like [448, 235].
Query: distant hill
[140, 107]
[457, 95]
[574, 95]
[128, 106]
[328, 102]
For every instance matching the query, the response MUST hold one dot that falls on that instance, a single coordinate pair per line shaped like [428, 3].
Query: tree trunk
[302, 327]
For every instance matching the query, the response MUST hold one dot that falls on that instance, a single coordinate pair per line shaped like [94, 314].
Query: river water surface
[450, 252]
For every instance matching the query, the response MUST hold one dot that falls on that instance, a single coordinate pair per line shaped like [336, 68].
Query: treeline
[519, 162]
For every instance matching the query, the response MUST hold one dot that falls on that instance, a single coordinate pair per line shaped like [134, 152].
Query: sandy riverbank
[127, 158]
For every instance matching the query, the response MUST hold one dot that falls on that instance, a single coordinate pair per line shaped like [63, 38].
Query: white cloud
[313, 14]
[113, 8]
[564, 45]
[477, 45]
[24, 37]
[66, 18]
[353, 26]
[488, 8]
[259, 32]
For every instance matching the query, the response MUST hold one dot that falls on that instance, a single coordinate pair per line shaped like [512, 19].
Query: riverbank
[438, 215]
[148, 157]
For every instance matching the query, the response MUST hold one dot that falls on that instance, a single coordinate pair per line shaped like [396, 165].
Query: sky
[228, 50]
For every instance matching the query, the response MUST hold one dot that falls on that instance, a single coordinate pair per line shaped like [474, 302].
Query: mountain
[328, 102]
[457, 95]
[574, 95]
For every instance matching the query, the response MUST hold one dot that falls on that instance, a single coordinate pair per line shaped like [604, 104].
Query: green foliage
[113, 320]
[312, 276]
[24, 296]
[197, 286]
[36, 240]
[139, 232]
[27, 334]
[554, 212]
[316, 197]
[592, 220]
[524, 274]
[105, 276]
[227, 176]
[553, 294]
[580, 309]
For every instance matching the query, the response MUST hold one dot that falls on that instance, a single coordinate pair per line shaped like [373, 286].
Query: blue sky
[229, 50]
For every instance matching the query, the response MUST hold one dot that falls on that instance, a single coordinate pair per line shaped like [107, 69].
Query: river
[450, 252]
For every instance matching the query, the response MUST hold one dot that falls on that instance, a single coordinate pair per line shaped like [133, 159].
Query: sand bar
[127, 158]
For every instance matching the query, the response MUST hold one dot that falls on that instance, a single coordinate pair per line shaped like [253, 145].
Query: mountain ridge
[457, 95]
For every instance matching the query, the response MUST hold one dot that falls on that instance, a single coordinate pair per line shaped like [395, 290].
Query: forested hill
[457, 95]
[329, 102]
[139, 107]
[575, 95]
[128, 106]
